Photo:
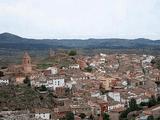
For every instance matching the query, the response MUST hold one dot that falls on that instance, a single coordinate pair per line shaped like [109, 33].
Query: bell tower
[51, 53]
[26, 63]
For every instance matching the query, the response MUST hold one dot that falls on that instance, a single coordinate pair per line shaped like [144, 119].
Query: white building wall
[54, 70]
[45, 116]
[58, 83]
[115, 96]
[111, 107]
[4, 81]
[76, 66]
[53, 84]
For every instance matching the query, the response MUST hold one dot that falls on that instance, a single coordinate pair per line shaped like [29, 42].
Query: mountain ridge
[9, 40]
[11, 34]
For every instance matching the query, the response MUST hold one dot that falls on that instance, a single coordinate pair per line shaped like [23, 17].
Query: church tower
[26, 63]
[51, 53]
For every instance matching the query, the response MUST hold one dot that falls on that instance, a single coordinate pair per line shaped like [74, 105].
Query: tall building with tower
[22, 70]
[26, 63]
[51, 53]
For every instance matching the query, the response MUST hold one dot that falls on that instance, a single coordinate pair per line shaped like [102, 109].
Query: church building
[24, 68]
[26, 63]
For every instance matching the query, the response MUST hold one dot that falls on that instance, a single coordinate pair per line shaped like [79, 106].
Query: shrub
[43, 88]
[69, 116]
[89, 69]
[72, 53]
[82, 115]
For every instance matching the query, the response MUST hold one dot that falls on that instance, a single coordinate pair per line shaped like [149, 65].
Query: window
[58, 82]
[140, 83]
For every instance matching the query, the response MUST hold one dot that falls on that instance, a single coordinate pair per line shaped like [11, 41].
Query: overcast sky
[81, 18]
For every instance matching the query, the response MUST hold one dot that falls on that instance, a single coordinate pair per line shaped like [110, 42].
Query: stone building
[24, 68]
[26, 63]
[51, 53]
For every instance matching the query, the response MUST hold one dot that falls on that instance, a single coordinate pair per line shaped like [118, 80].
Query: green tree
[89, 69]
[27, 81]
[51, 97]
[133, 105]
[158, 118]
[144, 104]
[82, 115]
[158, 99]
[153, 61]
[150, 117]
[106, 116]
[144, 71]
[72, 53]
[124, 114]
[91, 117]
[152, 101]
[1, 74]
[43, 88]
[69, 116]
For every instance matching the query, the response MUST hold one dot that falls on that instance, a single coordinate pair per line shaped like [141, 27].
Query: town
[70, 86]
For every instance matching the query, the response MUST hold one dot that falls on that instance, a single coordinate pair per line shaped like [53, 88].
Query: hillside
[23, 97]
[12, 47]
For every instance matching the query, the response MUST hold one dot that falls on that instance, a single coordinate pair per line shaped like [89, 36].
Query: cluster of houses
[114, 80]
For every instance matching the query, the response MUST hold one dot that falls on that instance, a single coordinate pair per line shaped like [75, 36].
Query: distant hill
[11, 41]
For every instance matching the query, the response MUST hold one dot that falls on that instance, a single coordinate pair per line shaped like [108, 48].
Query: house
[74, 66]
[78, 76]
[4, 81]
[79, 105]
[15, 115]
[53, 70]
[98, 106]
[115, 113]
[95, 108]
[105, 82]
[114, 104]
[77, 117]
[81, 108]
[95, 94]
[60, 111]
[19, 79]
[55, 82]
[47, 72]
[155, 111]
[60, 91]
[70, 84]
[90, 76]
[50, 82]
[102, 60]
[142, 117]
[58, 82]
[82, 63]
[138, 94]
[115, 96]
[42, 113]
